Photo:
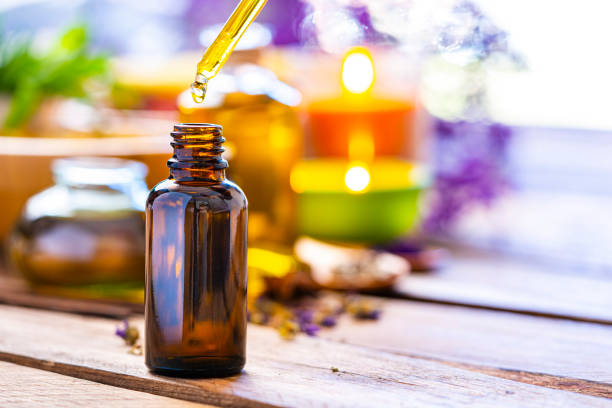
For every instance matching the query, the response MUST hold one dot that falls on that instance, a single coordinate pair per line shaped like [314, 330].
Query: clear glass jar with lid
[84, 236]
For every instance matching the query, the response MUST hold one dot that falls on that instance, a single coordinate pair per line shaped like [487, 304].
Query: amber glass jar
[195, 294]
[84, 236]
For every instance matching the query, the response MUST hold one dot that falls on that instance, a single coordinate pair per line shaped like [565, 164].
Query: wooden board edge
[176, 389]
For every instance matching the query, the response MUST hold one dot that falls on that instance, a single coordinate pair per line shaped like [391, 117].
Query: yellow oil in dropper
[219, 51]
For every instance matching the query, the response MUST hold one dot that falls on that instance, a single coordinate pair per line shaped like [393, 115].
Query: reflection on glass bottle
[84, 236]
[196, 261]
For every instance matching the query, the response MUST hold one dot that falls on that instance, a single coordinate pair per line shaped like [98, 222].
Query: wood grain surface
[508, 283]
[550, 352]
[24, 387]
[278, 373]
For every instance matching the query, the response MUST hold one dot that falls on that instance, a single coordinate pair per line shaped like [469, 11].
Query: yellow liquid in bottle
[219, 51]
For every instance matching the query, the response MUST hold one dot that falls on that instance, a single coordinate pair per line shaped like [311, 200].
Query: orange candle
[356, 123]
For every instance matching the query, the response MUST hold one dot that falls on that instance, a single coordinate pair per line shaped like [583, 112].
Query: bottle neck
[198, 149]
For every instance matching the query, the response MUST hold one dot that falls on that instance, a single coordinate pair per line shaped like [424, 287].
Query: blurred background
[370, 137]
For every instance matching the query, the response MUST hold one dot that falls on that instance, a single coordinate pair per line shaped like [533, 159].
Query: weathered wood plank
[14, 291]
[515, 365]
[488, 340]
[77, 306]
[543, 380]
[24, 387]
[509, 283]
[283, 373]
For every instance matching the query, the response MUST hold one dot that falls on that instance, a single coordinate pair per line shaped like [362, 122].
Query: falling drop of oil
[198, 88]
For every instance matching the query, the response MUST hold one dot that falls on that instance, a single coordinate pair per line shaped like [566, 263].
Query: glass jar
[195, 306]
[85, 236]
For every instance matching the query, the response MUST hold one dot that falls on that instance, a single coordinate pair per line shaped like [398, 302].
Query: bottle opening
[198, 152]
[198, 127]
[198, 132]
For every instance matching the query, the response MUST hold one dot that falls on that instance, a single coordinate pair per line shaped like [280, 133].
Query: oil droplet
[198, 88]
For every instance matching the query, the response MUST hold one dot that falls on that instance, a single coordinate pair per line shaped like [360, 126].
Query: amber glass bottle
[196, 261]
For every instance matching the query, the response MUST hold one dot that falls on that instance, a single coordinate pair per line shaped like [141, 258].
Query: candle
[343, 200]
[357, 117]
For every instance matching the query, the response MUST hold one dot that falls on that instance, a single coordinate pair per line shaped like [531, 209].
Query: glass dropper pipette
[219, 51]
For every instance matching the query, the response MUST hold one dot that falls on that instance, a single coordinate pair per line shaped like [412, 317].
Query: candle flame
[357, 178]
[358, 71]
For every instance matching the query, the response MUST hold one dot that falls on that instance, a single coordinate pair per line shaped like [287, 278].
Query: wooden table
[485, 331]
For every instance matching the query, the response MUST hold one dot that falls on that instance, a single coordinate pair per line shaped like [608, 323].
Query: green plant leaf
[62, 71]
[24, 103]
[73, 39]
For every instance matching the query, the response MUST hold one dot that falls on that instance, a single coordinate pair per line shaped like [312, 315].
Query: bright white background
[567, 45]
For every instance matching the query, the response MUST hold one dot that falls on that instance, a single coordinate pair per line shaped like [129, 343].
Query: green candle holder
[385, 209]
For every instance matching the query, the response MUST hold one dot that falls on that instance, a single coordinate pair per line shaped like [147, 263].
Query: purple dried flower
[363, 309]
[121, 330]
[373, 314]
[329, 321]
[309, 316]
[129, 334]
[470, 168]
[310, 329]
[304, 315]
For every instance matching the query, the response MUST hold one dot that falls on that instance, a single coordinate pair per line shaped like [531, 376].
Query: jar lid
[97, 171]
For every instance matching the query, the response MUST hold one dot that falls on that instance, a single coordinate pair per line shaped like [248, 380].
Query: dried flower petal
[288, 329]
[131, 335]
[122, 329]
[136, 349]
[328, 321]
[310, 329]
[363, 309]
[311, 314]
[304, 315]
[128, 333]
[368, 314]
